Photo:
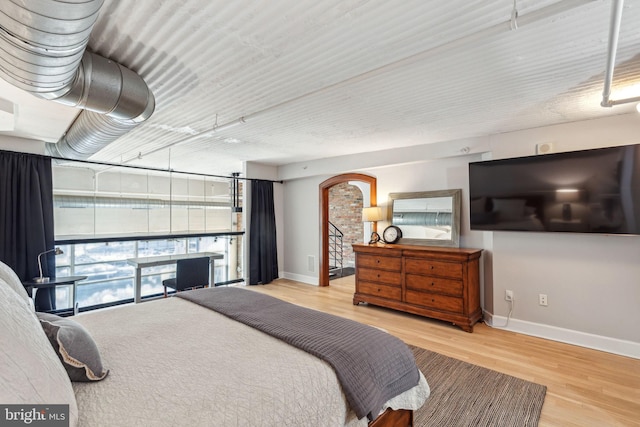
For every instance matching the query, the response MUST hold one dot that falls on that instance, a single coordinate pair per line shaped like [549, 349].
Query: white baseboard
[309, 280]
[569, 336]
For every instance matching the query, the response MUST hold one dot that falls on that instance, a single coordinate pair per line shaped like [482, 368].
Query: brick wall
[345, 212]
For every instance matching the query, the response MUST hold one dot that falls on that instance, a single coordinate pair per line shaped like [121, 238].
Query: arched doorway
[324, 215]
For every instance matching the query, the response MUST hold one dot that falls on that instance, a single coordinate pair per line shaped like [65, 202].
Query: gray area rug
[463, 394]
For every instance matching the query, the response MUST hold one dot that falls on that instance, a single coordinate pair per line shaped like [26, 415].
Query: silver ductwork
[114, 99]
[429, 219]
[43, 51]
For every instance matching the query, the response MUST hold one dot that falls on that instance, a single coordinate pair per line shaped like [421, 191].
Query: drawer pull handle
[432, 300]
[433, 284]
[432, 267]
[378, 276]
[377, 261]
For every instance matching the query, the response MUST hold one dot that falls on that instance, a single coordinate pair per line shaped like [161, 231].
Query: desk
[152, 261]
[57, 281]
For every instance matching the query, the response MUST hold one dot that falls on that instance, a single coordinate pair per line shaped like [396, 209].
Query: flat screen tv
[588, 191]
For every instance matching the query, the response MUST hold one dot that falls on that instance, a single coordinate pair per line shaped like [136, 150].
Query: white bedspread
[175, 363]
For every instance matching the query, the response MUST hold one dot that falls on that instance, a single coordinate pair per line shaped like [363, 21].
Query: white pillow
[11, 278]
[30, 371]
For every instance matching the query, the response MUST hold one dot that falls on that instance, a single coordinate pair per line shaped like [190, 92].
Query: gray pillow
[75, 347]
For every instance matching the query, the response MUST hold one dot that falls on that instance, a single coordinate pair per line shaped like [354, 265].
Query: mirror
[430, 218]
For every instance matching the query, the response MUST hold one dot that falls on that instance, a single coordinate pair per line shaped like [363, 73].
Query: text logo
[34, 415]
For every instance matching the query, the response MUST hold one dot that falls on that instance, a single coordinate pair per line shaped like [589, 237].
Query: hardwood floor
[584, 387]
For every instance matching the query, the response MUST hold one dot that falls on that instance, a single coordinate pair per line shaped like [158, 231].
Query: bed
[176, 362]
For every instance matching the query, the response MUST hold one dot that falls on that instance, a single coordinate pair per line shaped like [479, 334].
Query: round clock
[391, 234]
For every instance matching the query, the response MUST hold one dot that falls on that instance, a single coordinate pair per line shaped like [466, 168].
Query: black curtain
[263, 255]
[26, 214]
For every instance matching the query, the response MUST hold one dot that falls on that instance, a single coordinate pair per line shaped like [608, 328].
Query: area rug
[463, 394]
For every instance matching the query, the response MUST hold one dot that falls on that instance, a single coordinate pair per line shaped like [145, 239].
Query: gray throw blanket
[371, 365]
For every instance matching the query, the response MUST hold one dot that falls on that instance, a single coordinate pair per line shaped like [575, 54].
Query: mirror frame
[456, 196]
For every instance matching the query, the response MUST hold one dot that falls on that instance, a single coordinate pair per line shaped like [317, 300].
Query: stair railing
[335, 249]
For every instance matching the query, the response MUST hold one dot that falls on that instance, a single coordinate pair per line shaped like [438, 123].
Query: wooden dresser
[441, 283]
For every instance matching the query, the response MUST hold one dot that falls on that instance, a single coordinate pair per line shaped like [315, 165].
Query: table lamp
[373, 214]
[42, 279]
[566, 196]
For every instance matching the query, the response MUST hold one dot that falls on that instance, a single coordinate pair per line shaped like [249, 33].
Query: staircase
[335, 250]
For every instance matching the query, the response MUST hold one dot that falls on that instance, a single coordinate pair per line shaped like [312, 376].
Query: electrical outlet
[508, 295]
[542, 299]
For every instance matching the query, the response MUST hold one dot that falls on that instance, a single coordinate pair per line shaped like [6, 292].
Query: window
[110, 279]
[121, 203]
[105, 216]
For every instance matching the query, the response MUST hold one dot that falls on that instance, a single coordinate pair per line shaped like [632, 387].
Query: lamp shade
[372, 214]
[567, 195]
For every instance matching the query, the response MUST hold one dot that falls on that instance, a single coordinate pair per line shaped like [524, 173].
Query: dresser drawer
[381, 276]
[435, 268]
[436, 301]
[381, 262]
[434, 284]
[383, 291]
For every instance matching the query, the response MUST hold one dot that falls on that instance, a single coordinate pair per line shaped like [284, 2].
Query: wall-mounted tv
[588, 191]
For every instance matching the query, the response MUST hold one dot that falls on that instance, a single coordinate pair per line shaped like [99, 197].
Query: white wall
[302, 231]
[11, 143]
[592, 281]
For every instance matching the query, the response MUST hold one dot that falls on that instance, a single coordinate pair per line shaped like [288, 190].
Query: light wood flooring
[584, 387]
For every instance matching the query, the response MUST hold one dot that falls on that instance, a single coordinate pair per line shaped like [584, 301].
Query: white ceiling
[316, 79]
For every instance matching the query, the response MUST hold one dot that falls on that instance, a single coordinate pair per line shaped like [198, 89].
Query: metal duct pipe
[88, 134]
[429, 219]
[115, 100]
[42, 51]
[42, 42]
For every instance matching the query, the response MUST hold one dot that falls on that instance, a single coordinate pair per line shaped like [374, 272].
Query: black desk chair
[190, 273]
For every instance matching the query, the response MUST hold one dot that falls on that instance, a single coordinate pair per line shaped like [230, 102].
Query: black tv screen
[589, 191]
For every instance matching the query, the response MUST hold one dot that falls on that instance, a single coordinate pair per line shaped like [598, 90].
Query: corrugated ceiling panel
[316, 79]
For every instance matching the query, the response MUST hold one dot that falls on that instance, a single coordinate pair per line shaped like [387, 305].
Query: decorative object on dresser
[437, 282]
[430, 218]
[391, 234]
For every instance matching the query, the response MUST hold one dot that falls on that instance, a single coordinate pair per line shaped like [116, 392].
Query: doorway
[324, 215]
